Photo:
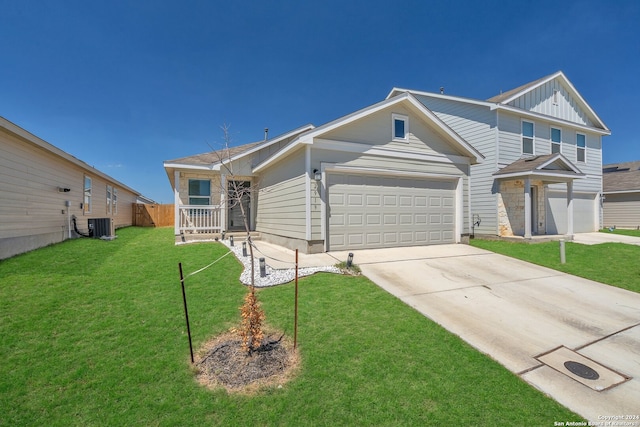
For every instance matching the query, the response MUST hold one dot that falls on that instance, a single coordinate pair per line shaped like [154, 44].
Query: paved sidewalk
[597, 238]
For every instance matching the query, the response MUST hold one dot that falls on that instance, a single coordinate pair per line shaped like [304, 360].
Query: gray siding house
[542, 143]
[391, 174]
[621, 184]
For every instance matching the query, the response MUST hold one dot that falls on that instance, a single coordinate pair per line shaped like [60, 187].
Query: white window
[399, 127]
[581, 147]
[555, 97]
[114, 200]
[199, 192]
[556, 140]
[86, 206]
[527, 137]
[109, 189]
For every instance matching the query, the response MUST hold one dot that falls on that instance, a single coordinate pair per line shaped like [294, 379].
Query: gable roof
[308, 137]
[549, 167]
[507, 97]
[621, 177]
[503, 100]
[211, 160]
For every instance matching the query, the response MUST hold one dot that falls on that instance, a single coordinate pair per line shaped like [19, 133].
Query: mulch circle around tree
[222, 363]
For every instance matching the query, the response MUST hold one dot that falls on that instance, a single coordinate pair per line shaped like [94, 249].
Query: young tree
[237, 192]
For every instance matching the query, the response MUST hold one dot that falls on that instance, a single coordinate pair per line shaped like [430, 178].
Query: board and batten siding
[561, 104]
[477, 125]
[33, 212]
[281, 204]
[622, 210]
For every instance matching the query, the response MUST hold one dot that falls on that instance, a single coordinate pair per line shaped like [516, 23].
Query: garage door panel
[388, 211]
[584, 213]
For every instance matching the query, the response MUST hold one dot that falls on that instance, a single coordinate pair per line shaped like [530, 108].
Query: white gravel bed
[274, 276]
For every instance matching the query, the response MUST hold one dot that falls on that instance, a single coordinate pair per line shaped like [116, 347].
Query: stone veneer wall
[511, 208]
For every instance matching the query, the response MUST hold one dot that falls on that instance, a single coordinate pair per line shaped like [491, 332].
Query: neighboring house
[42, 189]
[391, 174]
[621, 183]
[542, 143]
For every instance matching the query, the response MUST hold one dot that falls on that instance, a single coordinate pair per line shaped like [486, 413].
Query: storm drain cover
[582, 369]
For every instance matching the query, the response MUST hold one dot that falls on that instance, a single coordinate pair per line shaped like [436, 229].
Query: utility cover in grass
[222, 363]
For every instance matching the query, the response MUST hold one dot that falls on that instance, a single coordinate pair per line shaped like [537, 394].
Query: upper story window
[86, 206]
[199, 192]
[555, 97]
[581, 147]
[400, 127]
[556, 140]
[527, 137]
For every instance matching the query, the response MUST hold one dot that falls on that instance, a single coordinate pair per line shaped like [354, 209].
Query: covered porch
[522, 194]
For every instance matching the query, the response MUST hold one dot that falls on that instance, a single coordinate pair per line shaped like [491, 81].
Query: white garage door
[584, 213]
[367, 211]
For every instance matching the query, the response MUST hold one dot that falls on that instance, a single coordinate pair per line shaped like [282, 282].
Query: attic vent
[101, 228]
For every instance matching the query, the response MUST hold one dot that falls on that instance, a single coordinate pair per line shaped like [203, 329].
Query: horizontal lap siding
[31, 205]
[281, 198]
[622, 210]
[475, 124]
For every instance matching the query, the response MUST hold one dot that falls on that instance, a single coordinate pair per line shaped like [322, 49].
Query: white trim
[402, 118]
[335, 167]
[396, 91]
[522, 137]
[562, 177]
[551, 128]
[549, 119]
[398, 173]
[307, 190]
[584, 148]
[176, 202]
[620, 192]
[375, 150]
[439, 126]
[572, 90]
[459, 213]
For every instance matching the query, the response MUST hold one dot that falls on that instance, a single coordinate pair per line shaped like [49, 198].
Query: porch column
[176, 202]
[223, 202]
[570, 208]
[527, 208]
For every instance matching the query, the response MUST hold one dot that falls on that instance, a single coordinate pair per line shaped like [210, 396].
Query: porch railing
[200, 219]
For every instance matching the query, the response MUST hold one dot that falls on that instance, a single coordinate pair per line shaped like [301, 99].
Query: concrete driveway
[550, 328]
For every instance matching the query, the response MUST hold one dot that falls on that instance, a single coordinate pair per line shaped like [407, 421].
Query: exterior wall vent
[101, 228]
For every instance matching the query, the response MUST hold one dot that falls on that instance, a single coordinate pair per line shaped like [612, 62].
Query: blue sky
[125, 85]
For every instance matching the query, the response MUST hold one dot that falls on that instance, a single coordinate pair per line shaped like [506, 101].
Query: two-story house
[542, 143]
[417, 168]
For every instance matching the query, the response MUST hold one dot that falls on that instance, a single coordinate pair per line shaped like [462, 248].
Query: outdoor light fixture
[350, 260]
[244, 248]
[263, 267]
[317, 175]
[230, 240]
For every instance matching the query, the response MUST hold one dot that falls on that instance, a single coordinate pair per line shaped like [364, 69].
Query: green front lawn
[93, 333]
[611, 263]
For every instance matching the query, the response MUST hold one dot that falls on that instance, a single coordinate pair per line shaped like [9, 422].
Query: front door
[239, 202]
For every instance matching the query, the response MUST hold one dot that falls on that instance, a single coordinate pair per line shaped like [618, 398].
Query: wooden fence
[153, 215]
